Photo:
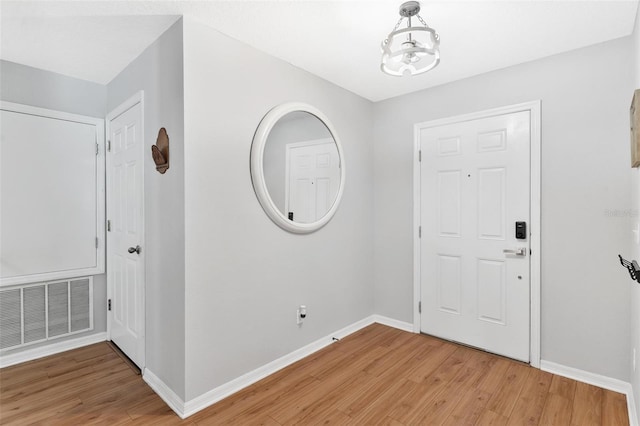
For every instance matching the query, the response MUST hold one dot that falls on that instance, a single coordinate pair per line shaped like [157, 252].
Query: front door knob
[522, 251]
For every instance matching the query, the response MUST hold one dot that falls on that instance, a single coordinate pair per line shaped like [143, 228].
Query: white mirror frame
[257, 169]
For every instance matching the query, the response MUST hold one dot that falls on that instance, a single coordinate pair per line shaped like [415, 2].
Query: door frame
[534, 107]
[137, 98]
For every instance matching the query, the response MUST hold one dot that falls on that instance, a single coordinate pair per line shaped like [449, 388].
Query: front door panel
[474, 188]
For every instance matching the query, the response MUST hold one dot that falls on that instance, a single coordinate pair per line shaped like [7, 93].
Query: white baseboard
[596, 380]
[51, 349]
[400, 325]
[188, 408]
[229, 388]
[169, 396]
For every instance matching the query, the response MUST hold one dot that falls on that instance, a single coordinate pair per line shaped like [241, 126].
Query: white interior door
[312, 179]
[475, 273]
[125, 231]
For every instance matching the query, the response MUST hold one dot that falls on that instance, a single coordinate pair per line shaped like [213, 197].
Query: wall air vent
[35, 313]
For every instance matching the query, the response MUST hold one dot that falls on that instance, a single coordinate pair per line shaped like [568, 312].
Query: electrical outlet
[301, 314]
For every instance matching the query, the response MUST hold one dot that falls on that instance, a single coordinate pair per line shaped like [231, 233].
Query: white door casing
[125, 230]
[312, 179]
[479, 174]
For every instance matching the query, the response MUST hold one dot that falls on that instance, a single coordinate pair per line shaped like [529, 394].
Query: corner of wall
[159, 72]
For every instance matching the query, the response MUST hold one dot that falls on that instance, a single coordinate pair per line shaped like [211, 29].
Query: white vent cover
[39, 312]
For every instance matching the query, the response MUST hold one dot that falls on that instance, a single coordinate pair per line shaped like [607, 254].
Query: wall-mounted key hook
[160, 151]
[632, 267]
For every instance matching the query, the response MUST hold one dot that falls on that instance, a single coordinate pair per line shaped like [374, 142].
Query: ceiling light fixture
[410, 50]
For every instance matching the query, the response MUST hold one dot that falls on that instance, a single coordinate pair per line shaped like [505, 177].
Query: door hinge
[109, 146]
[108, 226]
[419, 231]
[97, 149]
[109, 304]
[96, 242]
[419, 307]
[420, 156]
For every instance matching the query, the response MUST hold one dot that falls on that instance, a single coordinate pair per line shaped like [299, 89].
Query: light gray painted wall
[159, 72]
[44, 89]
[245, 276]
[635, 247]
[585, 101]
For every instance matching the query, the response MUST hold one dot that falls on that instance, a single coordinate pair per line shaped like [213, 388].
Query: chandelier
[411, 50]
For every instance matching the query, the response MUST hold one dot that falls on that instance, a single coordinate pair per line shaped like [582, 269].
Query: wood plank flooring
[377, 375]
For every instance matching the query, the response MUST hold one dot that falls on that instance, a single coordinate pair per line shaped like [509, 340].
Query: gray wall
[44, 89]
[585, 154]
[635, 247]
[245, 276]
[159, 72]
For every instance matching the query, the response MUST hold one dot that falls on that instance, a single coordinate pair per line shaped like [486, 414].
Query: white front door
[475, 272]
[125, 231]
[312, 179]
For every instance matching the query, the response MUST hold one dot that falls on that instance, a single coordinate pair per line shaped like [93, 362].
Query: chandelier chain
[398, 24]
[422, 21]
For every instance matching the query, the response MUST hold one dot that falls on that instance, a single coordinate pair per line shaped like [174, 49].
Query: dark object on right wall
[635, 129]
[632, 267]
[160, 151]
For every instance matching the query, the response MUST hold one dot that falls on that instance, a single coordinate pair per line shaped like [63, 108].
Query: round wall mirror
[297, 167]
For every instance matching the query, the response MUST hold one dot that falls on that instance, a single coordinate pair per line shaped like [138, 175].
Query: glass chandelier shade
[411, 50]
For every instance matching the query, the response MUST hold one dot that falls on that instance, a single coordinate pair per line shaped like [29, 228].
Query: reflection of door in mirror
[298, 129]
[312, 179]
[297, 167]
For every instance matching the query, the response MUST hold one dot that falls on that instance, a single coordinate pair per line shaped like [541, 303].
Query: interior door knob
[135, 249]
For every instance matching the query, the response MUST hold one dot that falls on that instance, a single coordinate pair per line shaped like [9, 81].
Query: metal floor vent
[38, 312]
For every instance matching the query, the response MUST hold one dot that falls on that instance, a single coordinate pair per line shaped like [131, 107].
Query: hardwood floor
[378, 375]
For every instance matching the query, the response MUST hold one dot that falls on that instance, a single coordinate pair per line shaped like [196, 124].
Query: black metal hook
[632, 267]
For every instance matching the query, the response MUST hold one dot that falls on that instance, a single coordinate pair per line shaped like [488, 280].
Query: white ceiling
[336, 40]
